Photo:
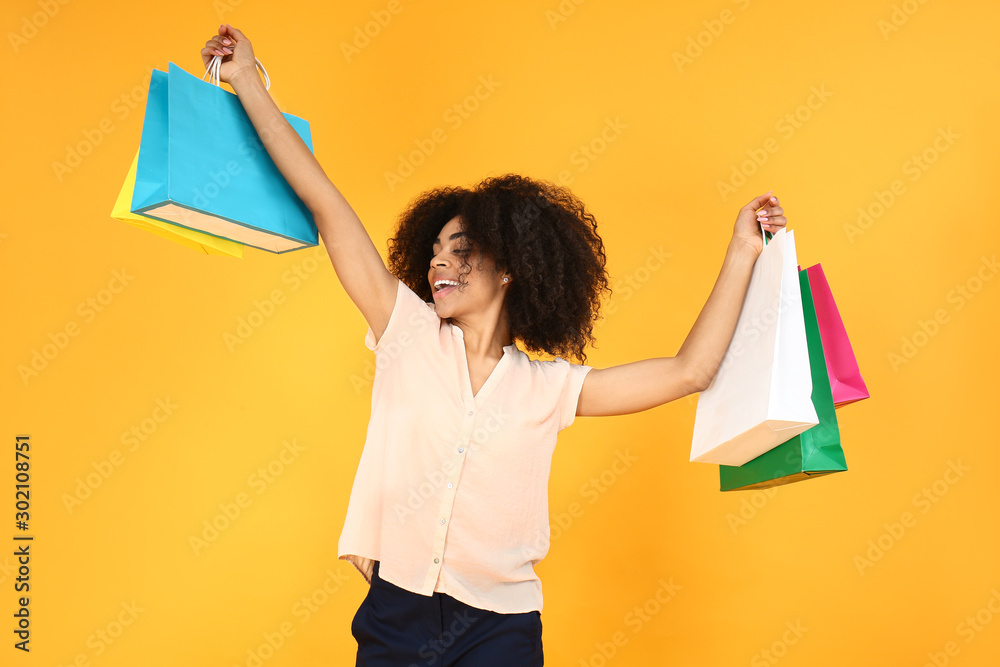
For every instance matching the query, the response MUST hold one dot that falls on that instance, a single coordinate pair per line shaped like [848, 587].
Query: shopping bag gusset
[845, 377]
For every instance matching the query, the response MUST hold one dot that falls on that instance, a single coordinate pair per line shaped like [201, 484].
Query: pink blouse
[451, 492]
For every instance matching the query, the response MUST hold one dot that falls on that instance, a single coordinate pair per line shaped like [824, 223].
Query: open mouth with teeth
[442, 287]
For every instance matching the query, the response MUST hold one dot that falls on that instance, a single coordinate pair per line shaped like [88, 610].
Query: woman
[448, 512]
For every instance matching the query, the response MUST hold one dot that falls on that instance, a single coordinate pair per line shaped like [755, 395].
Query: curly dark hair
[539, 233]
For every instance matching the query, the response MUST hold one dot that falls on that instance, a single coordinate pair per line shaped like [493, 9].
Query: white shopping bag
[762, 394]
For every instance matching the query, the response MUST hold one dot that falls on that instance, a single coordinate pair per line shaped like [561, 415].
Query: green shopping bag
[812, 453]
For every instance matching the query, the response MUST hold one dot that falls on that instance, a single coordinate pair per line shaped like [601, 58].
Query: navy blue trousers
[395, 627]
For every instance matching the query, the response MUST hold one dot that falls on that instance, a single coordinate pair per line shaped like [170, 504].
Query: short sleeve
[410, 315]
[570, 397]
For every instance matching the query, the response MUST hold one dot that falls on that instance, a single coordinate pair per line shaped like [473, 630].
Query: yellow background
[750, 565]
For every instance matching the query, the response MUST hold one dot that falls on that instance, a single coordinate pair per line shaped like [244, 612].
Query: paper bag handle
[764, 235]
[215, 65]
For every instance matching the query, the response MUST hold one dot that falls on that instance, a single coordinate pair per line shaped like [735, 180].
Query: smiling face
[480, 288]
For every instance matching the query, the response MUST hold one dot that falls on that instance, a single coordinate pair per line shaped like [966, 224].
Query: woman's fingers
[215, 47]
[770, 210]
[224, 46]
[757, 202]
[774, 224]
[207, 53]
[229, 37]
[771, 215]
[765, 201]
[235, 33]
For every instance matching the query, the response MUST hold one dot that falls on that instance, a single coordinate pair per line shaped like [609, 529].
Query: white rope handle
[215, 66]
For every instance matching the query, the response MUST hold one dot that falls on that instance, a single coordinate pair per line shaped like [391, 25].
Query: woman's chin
[440, 306]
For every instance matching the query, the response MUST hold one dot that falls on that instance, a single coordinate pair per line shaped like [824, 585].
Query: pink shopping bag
[845, 376]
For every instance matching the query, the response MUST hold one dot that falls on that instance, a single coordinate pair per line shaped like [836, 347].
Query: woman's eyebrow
[454, 236]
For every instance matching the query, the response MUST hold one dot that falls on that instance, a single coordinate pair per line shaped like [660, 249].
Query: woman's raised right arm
[356, 261]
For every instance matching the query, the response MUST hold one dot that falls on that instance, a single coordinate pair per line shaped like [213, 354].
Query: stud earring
[506, 279]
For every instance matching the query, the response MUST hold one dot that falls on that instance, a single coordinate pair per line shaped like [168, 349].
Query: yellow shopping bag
[206, 243]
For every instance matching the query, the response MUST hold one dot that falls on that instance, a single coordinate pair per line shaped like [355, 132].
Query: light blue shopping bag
[202, 166]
